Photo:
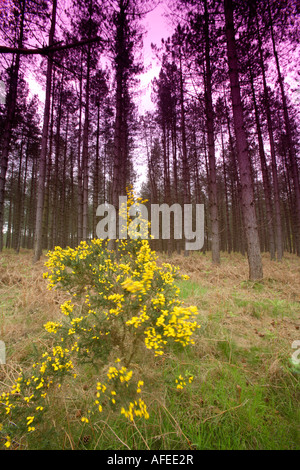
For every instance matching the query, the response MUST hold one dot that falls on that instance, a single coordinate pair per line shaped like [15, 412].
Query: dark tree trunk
[79, 163]
[85, 150]
[212, 179]
[42, 164]
[248, 207]
[279, 242]
[291, 148]
[8, 126]
[265, 175]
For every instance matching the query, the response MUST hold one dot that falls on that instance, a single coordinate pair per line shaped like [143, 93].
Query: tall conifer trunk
[247, 191]
[10, 107]
[43, 155]
[212, 178]
[291, 148]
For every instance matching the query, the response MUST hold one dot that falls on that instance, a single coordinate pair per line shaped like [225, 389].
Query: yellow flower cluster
[58, 360]
[57, 257]
[120, 376]
[67, 307]
[178, 325]
[181, 381]
[159, 300]
[121, 299]
[137, 408]
[137, 321]
[154, 340]
[29, 421]
[52, 326]
[33, 388]
[146, 299]
[133, 286]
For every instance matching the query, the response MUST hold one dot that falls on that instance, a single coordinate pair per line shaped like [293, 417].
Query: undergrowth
[236, 387]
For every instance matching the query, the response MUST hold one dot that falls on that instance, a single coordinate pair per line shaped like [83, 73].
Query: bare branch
[47, 50]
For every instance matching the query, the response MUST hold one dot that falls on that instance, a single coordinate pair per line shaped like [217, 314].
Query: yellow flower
[8, 442]
[52, 326]
[139, 386]
[133, 286]
[67, 307]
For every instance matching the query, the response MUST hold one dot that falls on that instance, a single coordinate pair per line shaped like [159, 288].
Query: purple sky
[156, 28]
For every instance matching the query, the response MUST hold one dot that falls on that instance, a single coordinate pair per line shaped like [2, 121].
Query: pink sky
[156, 28]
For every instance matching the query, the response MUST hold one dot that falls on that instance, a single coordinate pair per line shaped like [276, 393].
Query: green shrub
[121, 302]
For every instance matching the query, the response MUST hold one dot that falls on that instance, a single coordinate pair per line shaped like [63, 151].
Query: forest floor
[245, 393]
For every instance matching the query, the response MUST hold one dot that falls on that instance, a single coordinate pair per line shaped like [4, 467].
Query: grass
[245, 393]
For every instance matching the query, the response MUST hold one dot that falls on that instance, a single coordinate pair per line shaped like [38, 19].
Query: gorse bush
[121, 302]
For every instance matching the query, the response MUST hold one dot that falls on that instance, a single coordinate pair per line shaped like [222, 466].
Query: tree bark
[212, 179]
[57, 179]
[291, 148]
[10, 114]
[185, 167]
[85, 150]
[278, 224]
[228, 231]
[265, 175]
[42, 164]
[79, 163]
[247, 191]
[118, 186]
[96, 178]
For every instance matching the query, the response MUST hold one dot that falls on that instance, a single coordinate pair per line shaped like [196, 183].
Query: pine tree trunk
[185, 167]
[291, 213]
[79, 164]
[42, 164]
[228, 231]
[167, 182]
[48, 195]
[9, 120]
[96, 173]
[63, 225]
[265, 175]
[57, 182]
[212, 181]
[73, 220]
[9, 234]
[249, 215]
[237, 222]
[22, 204]
[278, 224]
[85, 150]
[291, 148]
[118, 186]
[18, 200]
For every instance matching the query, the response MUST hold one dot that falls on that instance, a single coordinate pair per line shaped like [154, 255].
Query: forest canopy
[222, 129]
